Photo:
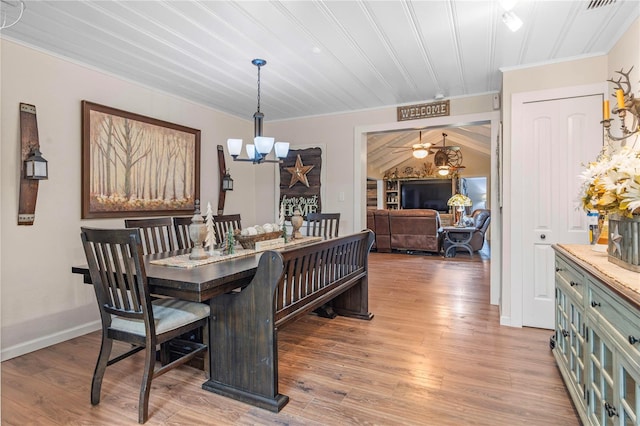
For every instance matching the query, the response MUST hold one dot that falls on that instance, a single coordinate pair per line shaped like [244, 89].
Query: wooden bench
[288, 284]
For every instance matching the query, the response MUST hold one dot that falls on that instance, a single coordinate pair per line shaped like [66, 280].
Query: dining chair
[128, 313]
[181, 228]
[323, 224]
[223, 223]
[156, 233]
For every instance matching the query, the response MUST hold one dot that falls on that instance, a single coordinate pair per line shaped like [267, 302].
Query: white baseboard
[52, 339]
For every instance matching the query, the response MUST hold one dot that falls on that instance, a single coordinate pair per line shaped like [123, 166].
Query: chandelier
[262, 145]
[626, 102]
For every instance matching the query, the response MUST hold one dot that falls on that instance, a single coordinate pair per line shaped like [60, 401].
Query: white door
[560, 136]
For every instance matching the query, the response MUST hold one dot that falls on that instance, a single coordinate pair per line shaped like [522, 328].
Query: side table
[457, 237]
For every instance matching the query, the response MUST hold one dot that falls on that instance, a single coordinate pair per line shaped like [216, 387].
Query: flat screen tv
[426, 194]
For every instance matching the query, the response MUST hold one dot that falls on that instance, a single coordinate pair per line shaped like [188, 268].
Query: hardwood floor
[434, 354]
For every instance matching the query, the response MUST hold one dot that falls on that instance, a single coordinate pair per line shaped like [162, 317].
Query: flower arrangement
[611, 184]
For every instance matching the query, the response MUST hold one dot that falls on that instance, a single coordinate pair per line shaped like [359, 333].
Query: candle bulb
[605, 110]
[620, 97]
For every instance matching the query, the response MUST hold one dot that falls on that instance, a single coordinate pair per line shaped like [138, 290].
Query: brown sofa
[412, 229]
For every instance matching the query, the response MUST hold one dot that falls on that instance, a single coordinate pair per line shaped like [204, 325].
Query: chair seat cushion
[168, 314]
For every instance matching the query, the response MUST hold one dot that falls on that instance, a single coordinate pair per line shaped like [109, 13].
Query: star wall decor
[299, 173]
[616, 238]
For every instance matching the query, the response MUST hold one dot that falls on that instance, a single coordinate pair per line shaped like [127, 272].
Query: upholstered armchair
[481, 219]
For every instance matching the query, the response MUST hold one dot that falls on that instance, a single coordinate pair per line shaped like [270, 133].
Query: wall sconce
[227, 182]
[625, 102]
[35, 166]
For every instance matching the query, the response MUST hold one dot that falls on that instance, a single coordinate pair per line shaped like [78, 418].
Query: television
[426, 194]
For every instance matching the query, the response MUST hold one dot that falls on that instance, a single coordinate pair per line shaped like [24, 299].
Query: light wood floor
[434, 354]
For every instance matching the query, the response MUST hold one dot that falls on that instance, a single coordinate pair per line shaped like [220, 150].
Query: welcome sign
[415, 112]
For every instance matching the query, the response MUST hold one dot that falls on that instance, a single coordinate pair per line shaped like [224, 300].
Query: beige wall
[41, 301]
[336, 132]
[624, 55]
[583, 71]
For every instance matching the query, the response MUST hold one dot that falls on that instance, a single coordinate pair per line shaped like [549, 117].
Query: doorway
[360, 171]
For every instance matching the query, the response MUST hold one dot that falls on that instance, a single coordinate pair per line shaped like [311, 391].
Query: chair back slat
[156, 233]
[323, 224]
[181, 228]
[117, 271]
[223, 223]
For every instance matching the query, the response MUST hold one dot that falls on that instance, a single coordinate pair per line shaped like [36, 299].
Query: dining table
[200, 281]
[196, 284]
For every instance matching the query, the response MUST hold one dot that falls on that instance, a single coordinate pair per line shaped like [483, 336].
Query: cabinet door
[629, 406]
[601, 400]
[570, 339]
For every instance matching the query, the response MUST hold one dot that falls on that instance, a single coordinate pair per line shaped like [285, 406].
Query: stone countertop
[623, 281]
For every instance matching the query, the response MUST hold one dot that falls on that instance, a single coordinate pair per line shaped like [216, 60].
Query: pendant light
[262, 145]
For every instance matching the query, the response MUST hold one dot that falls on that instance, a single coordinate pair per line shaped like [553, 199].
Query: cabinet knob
[610, 409]
[594, 304]
[633, 340]
[573, 283]
[558, 269]
[565, 333]
[542, 236]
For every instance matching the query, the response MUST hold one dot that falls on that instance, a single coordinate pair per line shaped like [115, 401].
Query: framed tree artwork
[137, 166]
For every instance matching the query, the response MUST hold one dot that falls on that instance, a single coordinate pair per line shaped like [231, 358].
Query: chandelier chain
[258, 88]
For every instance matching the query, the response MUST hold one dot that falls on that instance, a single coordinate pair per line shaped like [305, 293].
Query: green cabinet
[597, 330]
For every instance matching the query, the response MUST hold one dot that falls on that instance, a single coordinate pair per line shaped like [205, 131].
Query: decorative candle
[605, 110]
[620, 96]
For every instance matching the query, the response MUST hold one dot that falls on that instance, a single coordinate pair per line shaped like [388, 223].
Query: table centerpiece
[611, 186]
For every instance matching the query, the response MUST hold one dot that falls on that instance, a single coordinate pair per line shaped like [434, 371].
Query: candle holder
[197, 233]
[296, 224]
[626, 102]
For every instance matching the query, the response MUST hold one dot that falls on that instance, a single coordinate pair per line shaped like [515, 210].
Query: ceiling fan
[420, 150]
[448, 159]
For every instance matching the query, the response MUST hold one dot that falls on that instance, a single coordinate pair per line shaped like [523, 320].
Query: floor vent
[595, 4]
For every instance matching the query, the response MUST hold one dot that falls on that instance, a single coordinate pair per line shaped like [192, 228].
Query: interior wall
[582, 71]
[624, 55]
[42, 303]
[336, 131]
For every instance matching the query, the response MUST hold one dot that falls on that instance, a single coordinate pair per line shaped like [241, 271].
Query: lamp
[443, 170]
[35, 166]
[421, 150]
[227, 182]
[626, 102]
[262, 145]
[460, 202]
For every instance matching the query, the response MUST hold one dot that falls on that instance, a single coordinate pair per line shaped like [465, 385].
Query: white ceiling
[322, 56]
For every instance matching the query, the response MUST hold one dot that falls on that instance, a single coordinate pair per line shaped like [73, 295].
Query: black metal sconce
[35, 166]
[227, 182]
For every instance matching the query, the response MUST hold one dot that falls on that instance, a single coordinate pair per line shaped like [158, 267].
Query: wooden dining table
[201, 284]
[196, 284]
